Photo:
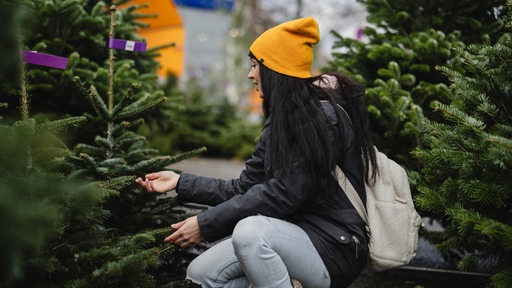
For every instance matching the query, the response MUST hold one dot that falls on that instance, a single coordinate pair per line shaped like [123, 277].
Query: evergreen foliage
[466, 179]
[78, 30]
[119, 150]
[404, 43]
[75, 218]
[25, 222]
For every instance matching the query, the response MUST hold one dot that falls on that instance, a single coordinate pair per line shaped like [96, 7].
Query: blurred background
[437, 84]
[213, 37]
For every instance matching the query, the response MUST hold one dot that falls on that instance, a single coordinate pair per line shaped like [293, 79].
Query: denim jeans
[262, 251]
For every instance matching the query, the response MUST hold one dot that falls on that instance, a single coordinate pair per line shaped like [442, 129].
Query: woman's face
[254, 75]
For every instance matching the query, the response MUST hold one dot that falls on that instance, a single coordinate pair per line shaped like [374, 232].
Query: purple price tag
[126, 45]
[42, 59]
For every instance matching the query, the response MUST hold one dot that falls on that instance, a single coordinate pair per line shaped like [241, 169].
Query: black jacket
[333, 224]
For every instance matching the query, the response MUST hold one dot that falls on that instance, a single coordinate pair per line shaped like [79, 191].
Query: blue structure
[208, 4]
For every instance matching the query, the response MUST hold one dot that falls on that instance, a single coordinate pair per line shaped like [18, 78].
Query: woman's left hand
[187, 233]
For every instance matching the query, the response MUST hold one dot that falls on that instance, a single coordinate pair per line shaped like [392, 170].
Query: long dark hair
[347, 93]
[298, 126]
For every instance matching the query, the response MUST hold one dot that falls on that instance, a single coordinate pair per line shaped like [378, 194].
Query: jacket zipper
[357, 245]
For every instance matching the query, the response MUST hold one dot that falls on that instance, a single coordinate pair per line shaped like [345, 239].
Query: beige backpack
[392, 221]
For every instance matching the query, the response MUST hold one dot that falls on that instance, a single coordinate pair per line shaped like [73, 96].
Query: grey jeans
[262, 251]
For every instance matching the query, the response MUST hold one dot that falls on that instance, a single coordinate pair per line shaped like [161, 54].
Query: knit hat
[287, 48]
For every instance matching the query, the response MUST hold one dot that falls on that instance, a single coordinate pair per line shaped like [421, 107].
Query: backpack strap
[351, 193]
[347, 187]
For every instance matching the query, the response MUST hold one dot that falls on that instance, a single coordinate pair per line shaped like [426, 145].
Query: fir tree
[119, 152]
[466, 180]
[80, 232]
[40, 215]
[405, 42]
[79, 30]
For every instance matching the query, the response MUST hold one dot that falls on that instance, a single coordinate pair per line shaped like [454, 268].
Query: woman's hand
[162, 181]
[187, 233]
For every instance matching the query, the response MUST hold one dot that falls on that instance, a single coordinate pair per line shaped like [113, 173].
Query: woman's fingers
[141, 182]
[162, 181]
[152, 176]
[187, 233]
[146, 184]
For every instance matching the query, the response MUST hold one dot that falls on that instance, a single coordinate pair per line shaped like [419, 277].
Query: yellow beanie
[287, 48]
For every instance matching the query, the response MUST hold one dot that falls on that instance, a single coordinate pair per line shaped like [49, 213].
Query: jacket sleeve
[211, 191]
[251, 194]
[275, 197]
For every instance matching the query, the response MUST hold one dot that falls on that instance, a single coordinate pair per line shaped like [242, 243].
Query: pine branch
[49, 154]
[501, 141]
[127, 96]
[152, 164]
[129, 141]
[59, 162]
[111, 163]
[98, 9]
[502, 279]
[119, 183]
[92, 96]
[61, 124]
[459, 116]
[90, 149]
[496, 231]
[469, 262]
[487, 107]
[140, 153]
[98, 103]
[78, 173]
[120, 128]
[139, 107]
[156, 233]
[186, 155]
[124, 125]
[89, 161]
[103, 142]
[128, 269]
[99, 189]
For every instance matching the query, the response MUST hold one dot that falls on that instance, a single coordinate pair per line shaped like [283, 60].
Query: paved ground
[217, 168]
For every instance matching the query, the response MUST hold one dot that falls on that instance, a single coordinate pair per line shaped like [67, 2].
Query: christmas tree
[78, 30]
[396, 60]
[89, 225]
[466, 180]
[44, 215]
[119, 150]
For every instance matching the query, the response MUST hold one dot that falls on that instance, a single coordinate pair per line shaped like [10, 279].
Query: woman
[286, 214]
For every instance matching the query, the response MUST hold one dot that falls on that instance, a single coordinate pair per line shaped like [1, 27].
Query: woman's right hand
[162, 181]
